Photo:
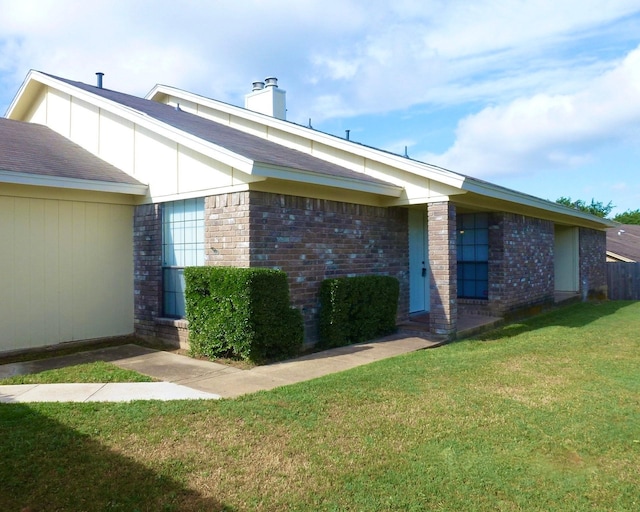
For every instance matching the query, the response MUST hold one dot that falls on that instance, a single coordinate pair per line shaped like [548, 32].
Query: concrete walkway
[187, 378]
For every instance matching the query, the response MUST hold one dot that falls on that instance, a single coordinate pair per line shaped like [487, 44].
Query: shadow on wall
[582, 314]
[47, 465]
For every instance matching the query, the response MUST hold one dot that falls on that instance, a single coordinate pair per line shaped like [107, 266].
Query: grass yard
[99, 371]
[540, 415]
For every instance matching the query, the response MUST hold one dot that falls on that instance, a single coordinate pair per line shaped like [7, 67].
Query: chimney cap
[257, 85]
[271, 81]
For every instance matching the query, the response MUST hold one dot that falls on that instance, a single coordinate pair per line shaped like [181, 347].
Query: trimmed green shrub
[355, 309]
[241, 312]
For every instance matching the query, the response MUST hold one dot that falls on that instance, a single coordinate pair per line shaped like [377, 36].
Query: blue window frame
[182, 246]
[473, 255]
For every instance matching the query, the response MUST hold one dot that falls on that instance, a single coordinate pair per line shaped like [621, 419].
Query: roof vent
[271, 81]
[257, 86]
[99, 75]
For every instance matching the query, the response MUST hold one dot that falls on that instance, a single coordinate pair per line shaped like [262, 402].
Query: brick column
[147, 265]
[443, 315]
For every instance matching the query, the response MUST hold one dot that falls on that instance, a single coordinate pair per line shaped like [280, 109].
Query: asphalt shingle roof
[36, 149]
[624, 240]
[244, 144]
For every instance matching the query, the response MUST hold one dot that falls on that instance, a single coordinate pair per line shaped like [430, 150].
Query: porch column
[443, 315]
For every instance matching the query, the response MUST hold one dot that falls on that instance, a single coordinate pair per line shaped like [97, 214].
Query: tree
[628, 217]
[595, 208]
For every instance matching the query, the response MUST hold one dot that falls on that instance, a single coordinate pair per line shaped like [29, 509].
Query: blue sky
[542, 97]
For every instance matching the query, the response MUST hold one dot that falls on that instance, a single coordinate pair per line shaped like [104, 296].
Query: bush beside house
[356, 309]
[241, 312]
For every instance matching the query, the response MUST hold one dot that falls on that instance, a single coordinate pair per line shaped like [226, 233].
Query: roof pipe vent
[271, 81]
[257, 86]
[99, 75]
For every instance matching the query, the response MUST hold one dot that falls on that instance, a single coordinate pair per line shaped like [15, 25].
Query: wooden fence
[623, 281]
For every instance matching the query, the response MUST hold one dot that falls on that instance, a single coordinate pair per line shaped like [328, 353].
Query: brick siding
[309, 239]
[315, 239]
[443, 315]
[593, 270]
[521, 272]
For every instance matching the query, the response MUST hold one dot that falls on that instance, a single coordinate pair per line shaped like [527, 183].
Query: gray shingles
[625, 241]
[254, 148]
[36, 149]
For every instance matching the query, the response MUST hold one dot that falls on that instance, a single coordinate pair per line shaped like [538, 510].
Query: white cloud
[549, 131]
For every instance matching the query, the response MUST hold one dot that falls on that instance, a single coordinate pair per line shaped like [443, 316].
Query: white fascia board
[311, 177]
[23, 178]
[19, 94]
[623, 259]
[209, 149]
[399, 162]
[497, 192]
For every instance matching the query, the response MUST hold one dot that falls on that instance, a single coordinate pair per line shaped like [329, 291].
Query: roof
[239, 142]
[35, 154]
[623, 242]
[256, 153]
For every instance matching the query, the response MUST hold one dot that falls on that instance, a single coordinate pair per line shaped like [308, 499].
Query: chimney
[266, 98]
[99, 75]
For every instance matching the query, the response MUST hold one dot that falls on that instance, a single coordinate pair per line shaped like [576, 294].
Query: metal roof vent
[99, 75]
[257, 86]
[271, 81]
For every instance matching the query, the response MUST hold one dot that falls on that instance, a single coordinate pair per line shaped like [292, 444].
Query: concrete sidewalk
[187, 378]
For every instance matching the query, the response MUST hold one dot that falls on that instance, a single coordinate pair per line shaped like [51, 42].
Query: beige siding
[67, 271]
[566, 259]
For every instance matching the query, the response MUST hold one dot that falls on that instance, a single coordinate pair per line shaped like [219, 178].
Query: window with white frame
[182, 246]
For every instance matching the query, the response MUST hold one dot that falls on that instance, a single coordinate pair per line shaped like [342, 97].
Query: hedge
[241, 313]
[356, 309]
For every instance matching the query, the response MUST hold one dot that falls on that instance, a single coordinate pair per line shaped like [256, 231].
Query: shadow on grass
[49, 466]
[572, 316]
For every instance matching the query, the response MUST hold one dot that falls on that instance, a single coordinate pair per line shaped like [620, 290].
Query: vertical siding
[67, 271]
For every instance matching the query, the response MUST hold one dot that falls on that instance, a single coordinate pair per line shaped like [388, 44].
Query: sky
[538, 96]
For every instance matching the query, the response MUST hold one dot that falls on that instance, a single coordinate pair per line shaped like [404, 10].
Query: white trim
[622, 259]
[23, 178]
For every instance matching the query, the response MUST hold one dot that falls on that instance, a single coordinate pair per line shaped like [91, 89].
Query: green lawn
[88, 372]
[541, 415]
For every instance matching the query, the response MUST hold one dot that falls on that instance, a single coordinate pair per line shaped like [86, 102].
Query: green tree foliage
[595, 208]
[628, 217]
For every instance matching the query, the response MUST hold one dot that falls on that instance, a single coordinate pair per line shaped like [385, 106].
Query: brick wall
[521, 270]
[443, 315]
[315, 239]
[147, 268]
[593, 250]
[227, 229]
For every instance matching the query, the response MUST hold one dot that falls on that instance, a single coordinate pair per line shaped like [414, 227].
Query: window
[473, 255]
[182, 246]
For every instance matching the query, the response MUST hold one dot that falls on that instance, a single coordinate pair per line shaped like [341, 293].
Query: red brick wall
[593, 271]
[315, 239]
[521, 272]
[443, 315]
[226, 219]
[147, 268]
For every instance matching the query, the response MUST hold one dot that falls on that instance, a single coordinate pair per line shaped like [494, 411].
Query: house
[94, 244]
[623, 243]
